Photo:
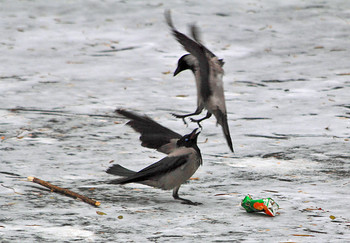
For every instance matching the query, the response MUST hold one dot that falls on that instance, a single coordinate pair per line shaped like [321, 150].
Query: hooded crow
[169, 173]
[208, 72]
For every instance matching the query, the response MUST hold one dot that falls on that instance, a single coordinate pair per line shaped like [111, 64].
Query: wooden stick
[64, 191]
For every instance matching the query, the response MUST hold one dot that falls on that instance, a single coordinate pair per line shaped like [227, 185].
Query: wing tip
[195, 33]
[133, 116]
[167, 15]
[120, 111]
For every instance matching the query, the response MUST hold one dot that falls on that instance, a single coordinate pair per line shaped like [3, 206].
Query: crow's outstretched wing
[196, 36]
[153, 135]
[197, 50]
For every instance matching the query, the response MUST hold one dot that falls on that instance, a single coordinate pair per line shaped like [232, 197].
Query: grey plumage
[183, 160]
[208, 72]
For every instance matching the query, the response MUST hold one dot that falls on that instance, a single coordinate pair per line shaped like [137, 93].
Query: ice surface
[66, 65]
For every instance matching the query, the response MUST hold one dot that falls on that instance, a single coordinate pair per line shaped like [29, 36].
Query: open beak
[193, 134]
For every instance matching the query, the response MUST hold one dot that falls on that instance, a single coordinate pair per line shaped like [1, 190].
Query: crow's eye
[186, 139]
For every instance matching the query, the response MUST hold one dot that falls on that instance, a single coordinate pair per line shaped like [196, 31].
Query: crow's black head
[189, 140]
[184, 63]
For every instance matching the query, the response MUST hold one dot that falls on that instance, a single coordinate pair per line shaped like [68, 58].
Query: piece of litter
[267, 205]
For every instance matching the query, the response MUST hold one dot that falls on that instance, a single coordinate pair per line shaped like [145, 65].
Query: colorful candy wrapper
[267, 205]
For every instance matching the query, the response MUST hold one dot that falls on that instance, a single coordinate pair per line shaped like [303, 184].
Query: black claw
[180, 116]
[184, 200]
[197, 121]
[175, 115]
[189, 202]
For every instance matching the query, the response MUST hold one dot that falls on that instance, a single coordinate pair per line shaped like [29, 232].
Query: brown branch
[64, 191]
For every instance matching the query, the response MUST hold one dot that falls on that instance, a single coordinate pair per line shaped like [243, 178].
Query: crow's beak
[177, 71]
[193, 134]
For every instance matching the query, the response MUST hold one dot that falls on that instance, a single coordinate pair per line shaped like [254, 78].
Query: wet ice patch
[40, 140]
[273, 165]
[66, 233]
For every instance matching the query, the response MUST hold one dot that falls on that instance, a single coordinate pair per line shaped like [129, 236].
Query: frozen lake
[66, 66]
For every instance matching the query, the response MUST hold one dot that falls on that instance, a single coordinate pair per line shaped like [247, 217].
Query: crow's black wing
[153, 135]
[196, 36]
[198, 51]
[162, 167]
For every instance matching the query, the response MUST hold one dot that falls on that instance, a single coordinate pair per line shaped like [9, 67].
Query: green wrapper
[267, 205]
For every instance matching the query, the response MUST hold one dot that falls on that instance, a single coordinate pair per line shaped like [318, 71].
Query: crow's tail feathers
[120, 171]
[222, 120]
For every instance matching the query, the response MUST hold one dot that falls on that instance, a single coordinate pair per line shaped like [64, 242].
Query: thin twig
[64, 191]
[11, 189]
